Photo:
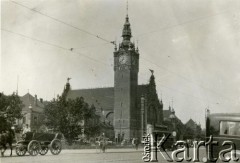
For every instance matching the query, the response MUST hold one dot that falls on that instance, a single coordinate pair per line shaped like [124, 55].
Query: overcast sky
[193, 46]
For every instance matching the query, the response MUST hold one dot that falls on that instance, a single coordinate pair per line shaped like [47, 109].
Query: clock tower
[126, 66]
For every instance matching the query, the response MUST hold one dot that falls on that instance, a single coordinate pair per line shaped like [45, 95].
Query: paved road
[86, 156]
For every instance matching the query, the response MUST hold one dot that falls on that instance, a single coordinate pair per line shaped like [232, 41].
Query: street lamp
[30, 115]
[142, 115]
[173, 118]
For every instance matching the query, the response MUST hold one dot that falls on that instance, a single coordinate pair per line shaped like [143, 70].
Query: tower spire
[126, 33]
[127, 7]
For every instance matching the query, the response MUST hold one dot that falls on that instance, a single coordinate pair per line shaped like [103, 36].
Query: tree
[71, 117]
[10, 110]
[189, 133]
[193, 132]
[199, 134]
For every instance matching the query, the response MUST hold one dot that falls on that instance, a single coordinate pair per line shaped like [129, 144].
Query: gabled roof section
[28, 100]
[190, 122]
[166, 116]
[167, 113]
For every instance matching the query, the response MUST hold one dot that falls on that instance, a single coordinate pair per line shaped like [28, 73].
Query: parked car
[222, 127]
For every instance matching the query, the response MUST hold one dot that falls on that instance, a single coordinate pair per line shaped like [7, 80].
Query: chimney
[35, 100]
[41, 100]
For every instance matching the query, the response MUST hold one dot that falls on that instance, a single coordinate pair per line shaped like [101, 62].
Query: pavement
[128, 155]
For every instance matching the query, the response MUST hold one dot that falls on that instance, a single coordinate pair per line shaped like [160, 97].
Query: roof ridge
[90, 88]
[100, 88]
[27, 94]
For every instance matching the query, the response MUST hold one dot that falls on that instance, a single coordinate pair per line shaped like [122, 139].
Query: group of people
[135, 143]
[103, 142]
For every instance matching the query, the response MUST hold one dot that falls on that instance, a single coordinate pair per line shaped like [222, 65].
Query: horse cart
[39, 143]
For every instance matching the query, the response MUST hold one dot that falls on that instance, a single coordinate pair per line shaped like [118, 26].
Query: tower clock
[126, 62]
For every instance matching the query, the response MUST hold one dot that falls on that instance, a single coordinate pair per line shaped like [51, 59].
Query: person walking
[103, 142]
[133, 142]
[136, 143]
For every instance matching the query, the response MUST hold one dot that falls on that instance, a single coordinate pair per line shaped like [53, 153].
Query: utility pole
[142, 115]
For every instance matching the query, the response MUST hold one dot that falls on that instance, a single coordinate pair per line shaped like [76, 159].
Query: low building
[173, 122]
[32, 112]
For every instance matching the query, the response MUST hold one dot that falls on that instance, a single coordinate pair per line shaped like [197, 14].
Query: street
[127, 155]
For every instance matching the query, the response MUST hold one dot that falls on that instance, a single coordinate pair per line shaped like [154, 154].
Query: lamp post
[142, 115]
[173, 119]
[30, 116]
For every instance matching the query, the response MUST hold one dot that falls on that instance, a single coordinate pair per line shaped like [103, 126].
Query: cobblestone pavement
[86, 156]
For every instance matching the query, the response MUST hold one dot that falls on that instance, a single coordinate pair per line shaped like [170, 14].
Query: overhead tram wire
[91, 46]
[176, 90]
[186, 79]
[98, 61]
[186, 22]
[60, 47]
[95, 60]
[195, 98]
[169, 27]
[113, 42]
[57, 46]
[183, 23]
[67, 24]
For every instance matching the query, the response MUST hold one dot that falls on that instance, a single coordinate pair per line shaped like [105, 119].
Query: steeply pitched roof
[166, 114]
[190, 123]
[99, 97]
[28, 99]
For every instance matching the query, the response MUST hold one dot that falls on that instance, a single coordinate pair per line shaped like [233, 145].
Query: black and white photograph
[125, 81]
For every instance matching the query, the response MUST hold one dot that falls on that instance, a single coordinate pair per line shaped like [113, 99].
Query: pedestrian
[133, 142]
[102, 143]
[136, 143]
[26, 129]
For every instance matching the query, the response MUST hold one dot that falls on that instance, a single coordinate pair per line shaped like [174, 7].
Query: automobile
[222, 127]
[108, 141]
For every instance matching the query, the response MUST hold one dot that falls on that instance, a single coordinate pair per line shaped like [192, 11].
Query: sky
[192, 46]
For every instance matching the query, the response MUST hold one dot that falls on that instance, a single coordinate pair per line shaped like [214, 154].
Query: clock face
[123, 59]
